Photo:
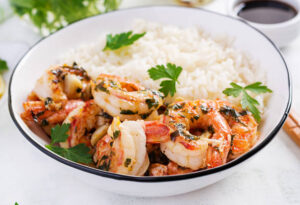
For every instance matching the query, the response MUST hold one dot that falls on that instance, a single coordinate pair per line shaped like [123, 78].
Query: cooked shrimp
[62, 83]
[243, 127]
[172, 168]
[83, 121]
[191, 151]
[128, 100]
[123, 149]
[36, 112]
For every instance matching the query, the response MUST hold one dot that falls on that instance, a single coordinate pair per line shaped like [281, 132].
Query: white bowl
[281, 33]
[248, 39]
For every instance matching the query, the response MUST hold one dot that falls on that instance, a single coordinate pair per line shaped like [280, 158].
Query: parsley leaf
[59, 133]
[79, 153]
[258, 88]
[171, 72]
[247, 101]
[3, 65]
[49, 16]
[120, 40]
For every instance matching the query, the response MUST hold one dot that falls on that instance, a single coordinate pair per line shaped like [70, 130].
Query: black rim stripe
[163, 178]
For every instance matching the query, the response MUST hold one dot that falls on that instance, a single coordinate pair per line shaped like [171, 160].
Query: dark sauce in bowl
[266, 12]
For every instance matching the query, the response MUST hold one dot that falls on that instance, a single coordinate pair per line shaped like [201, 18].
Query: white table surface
[29, 177]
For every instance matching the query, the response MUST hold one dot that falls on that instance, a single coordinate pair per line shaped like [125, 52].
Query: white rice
[209, 64]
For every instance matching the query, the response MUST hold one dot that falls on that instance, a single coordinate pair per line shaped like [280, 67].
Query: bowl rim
[148, 179]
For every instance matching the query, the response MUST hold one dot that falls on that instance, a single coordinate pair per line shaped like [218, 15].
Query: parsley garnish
[3, 65]
[49, 16]
[78, 153]
[127, 162]
[120, 40]
[128, 112]
[171, 71]
[116, 134]
[247, 101]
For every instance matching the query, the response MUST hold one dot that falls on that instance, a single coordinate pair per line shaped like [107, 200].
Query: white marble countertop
[29, 177]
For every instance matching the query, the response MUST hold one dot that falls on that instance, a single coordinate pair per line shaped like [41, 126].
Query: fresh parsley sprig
[171, 71]
[117, 41]
[247, 101]
[49, 16]
[3, 66]
[79, 153]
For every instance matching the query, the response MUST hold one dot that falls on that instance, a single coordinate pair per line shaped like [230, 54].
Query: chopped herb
[113, 84]
[229, 111]
[35, 119]
[244, 112]
[204, 109]
[146, 115]
[101, 87]
[48, 101]
[174, 134]
[231, 142]
[78, 90]
[180, 126]
[116, 134]
[117, 41]
[128, 112]
[181, 115]
[178, 106]
[171, 71]
[157, 93]
[247, 101]
[104, 157]
[127, 162]
[104, 164]
[196, 117]
[211, 129]
[152, 102]
[105, 115]
[45, 122]
[166, 112]
[39, 114]
[217, 149]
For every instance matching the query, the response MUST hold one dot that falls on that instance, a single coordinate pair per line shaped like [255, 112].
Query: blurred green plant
[51, 15]
[1, 14]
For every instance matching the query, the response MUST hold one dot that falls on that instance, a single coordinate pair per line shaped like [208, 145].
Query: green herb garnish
[128, 112]
[117, 41]
[101, 87]
[152, 102]
[49, 16]
[3, 66]
[127, 162]
[116, 134]
[78, 153]
[171, 71]
[247, 101]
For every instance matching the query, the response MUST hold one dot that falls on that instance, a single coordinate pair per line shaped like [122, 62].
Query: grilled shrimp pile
[131, 130]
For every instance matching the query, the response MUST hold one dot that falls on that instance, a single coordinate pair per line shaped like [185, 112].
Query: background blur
[29, 177]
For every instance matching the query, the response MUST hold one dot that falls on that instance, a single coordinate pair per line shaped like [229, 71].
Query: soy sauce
[266, 12]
